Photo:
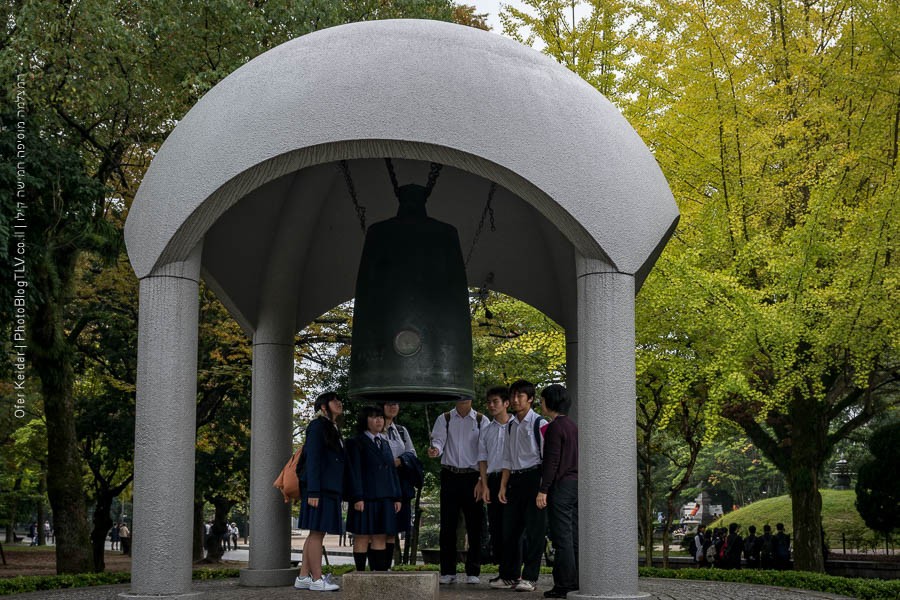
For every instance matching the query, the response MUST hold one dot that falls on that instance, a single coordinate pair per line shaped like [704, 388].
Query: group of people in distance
[520, 464]
[724, 547]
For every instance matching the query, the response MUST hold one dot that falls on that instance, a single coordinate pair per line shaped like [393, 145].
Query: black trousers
[521, 517]
[562, 513]
[495, 519]
[457, 493]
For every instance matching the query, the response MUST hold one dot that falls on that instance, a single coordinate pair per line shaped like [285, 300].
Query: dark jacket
[323, 467]
[372, 472]
[560, 453]
[411, 473]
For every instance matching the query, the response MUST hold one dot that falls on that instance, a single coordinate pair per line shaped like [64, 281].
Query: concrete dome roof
[262, 144]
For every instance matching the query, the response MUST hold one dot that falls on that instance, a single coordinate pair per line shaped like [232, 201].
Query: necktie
[378, 443]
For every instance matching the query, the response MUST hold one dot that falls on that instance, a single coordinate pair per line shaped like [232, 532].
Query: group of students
[376, 470]
[521, 465]
[723, 548]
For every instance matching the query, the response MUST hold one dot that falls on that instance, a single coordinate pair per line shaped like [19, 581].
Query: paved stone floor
[659, 589]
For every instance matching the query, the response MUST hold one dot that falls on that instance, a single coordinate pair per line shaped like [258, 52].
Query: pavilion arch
[246, 194]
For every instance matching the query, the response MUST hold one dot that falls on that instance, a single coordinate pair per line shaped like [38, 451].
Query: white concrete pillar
[607, 471]
[572, 373]
[165, 415]
[270, 448]
[271, 413]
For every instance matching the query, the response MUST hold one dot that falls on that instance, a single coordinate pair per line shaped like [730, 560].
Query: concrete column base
[396, 586]
[579, 596]
[268, 577]
[189, 595]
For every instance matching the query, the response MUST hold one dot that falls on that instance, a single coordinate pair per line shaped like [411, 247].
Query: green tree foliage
[106, 82]
[878, 482]
[776, 126]
[586, 36]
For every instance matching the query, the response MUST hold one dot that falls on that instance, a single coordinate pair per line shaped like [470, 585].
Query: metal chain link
[360, 210]
[487, 212]
[393, 174]
[432, 178]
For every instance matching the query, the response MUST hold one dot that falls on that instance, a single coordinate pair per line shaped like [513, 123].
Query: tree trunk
[53, 360]
[645, 520]
[102, 525]
[670, 511]
[806, 510]
[214, 548]
[13, 512]
[199, 532]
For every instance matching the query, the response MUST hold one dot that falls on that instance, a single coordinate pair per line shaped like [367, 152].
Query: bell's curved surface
[412, 337]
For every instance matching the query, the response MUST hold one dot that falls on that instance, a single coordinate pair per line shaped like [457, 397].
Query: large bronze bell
[412, 337]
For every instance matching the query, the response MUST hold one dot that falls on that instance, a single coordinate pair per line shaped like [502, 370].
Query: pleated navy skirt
[376, 518]
[326, 517]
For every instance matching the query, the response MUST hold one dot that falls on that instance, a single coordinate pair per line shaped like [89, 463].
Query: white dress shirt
[461, 449]
[522, 450]
[491, 444]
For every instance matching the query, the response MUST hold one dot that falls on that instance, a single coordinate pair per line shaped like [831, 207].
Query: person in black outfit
[767, 548]
[752, 548]
[454, 438]
[519, 486]
[558, 492]
[781, 545]
[374, 491]
[734, 547]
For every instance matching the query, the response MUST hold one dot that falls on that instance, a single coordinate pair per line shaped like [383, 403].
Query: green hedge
[865, 589]
[38, 583]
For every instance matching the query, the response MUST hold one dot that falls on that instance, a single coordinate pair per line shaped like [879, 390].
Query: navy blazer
[323, 469]
[372, 472]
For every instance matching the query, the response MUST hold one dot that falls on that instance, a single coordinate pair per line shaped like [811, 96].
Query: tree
[591, 46]
[878, 483]
[776, 125]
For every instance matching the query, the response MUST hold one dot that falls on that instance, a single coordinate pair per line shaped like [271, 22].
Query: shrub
[865, 589]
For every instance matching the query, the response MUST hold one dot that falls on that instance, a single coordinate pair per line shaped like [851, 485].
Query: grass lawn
[838, 516]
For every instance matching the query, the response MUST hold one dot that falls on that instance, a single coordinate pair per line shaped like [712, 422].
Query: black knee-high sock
[374, 561]
[388, 555]
[359, 559]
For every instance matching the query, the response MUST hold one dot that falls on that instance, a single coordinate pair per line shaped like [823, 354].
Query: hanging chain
[393, 174]
[432, 178]
[487, 212]
[360, 210]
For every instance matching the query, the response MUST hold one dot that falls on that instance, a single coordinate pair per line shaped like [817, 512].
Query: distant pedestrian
[33, 533]
[125, 538]
[767, 548]
[48, 532]
[734, 547]
[114, 537]
[752, 548]
[782, 547]
[697, 551]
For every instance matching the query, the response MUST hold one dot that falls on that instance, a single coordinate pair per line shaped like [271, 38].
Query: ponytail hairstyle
[331, 432]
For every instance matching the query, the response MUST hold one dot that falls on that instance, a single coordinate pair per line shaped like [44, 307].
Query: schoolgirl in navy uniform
[374, 490]
[322, 486]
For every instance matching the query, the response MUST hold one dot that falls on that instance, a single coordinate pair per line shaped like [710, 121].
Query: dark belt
[528, 470]
[458, 470]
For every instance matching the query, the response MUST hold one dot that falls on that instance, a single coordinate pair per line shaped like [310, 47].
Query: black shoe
[556, 593]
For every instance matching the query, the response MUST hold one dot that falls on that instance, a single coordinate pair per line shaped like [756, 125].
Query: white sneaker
[504, 584]
[325, 584]
[446, 579]
[302, 583]
[526, 586]
[473, 579]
